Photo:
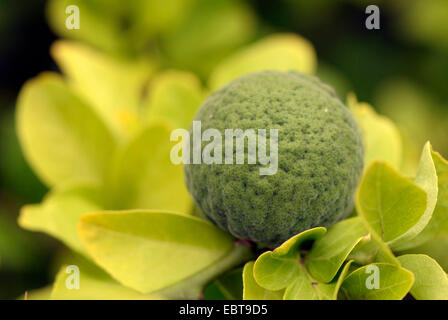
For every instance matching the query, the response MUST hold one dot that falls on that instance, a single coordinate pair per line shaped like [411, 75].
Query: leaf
[436, 248]
[252, 291]
[19, 250]
[330, 251]
[274, 270]
[113, 87]
[63, 139]
[59, 213]
[431, 281]
[94, 284]
[155, 246]
[193, 287]
[426, 178]
[305, 287]
[209, 33]
[381, 137]
[394, 283]
[439, 221]
[174, 96]
[390, 203]
[98, 17]
[143, 176]
[278, 52]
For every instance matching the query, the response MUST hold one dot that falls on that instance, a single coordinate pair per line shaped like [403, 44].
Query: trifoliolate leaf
[426, 178]
[274, 270]
[390, 203]
[378, 281]
[63, 139]
[253, 291]
[276, 52]
[431, 281]
[152, 250]
[381, 137]
[113, 87]
[174, 96]
[59, 214]
[439, 221]
[330, 251]
[143, 176]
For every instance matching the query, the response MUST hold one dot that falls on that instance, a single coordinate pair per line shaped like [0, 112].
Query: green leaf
[93, 16]
[394, 283]
[252, 291]
[274, 270]
[439, 221]
[155, 246]
[113, 87]
[436, 248]
[19, 250]
[143, 176]
[63, 138]
[426, 178]
[329, 252]
[381, 137]
[59, 214]
[193, 287]
[94, 284]
[431, 281]
[278, 52]
[209, 33]
[174, 96]
[305, 287]
[390, 203]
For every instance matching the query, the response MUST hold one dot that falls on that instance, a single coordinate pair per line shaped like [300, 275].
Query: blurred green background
[400, 69]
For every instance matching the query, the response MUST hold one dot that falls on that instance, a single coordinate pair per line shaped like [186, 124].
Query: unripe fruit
[320, 158]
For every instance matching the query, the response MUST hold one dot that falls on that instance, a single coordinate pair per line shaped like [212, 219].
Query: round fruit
[320, 158]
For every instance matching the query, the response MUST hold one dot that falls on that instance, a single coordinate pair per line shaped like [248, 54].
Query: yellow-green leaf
[426, 178]
[378, 281]
[431, 281]
[274, 270]
[439, 222]
[63, 139]
[381, 137]
[252, 290]
[390, 203]
[93, 285]
[174, 96]
[113, 87]
[329, 252]
[155, 245]
[143, 176]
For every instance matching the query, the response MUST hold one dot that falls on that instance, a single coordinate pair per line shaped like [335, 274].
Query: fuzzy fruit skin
[320, 158]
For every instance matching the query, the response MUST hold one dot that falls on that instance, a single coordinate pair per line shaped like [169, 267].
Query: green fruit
[320, 158]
